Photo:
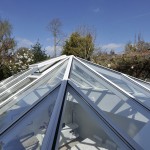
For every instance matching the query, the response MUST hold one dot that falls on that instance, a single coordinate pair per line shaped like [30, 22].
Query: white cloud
[50, 50]
[22, 42]
[96, 10]
[112, 46]
[48, 39]
[142, 15]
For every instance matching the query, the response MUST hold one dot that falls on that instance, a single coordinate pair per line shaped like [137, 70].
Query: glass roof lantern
[70, 103]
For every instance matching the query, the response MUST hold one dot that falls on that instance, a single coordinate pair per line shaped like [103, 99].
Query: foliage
[134, 61]
[5, 28]
[4, 72]
[38, 53]
[13, 61]
[23, 58]
[7, 44]
[135, 64]
[138, 46]
[78, 45]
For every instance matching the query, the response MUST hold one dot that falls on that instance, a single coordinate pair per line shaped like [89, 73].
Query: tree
[38, 53]
[84, 30]
[7, 44]
[129, 47]
[78, 45]
[139, 45]
[5, 28]
[112, 52]
[23, 58]
[54, 27]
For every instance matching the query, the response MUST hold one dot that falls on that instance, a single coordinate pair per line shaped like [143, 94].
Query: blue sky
[116, 21]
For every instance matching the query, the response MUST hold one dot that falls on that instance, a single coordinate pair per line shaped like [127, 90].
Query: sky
[116, 22]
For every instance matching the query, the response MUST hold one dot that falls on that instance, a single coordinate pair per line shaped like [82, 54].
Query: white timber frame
[119, 90]
[49, 138]
[36, 83]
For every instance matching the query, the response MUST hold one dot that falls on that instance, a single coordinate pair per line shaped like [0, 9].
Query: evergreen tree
[80, 46]
[38, 53]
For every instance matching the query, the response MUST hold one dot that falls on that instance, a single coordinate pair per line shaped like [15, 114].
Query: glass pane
[7, 83]
[130, 89]
[29, 132]
[45, 67]
[132, 118]
[81, 129]
[23, 101]
[118, 80]
[15, 89]
[144, 83]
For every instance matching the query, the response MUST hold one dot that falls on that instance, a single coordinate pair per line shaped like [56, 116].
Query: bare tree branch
[54, 27]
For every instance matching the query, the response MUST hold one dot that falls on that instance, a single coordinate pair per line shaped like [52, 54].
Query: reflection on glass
[80, 128]
[13, 79]
[118, 80]
[121, 111]
[19, 104]
[45, 67]
[15, 89]
[144, 83]
[130, 89]
[29, 132]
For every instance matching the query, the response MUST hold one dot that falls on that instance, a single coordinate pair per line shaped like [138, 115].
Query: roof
[68, 102]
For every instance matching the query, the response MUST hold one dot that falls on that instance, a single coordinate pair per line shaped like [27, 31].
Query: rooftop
[70, 103]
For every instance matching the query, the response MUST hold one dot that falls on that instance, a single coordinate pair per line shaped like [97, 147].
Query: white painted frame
[130, 81]
[110, 125]
[115, 88]
[51, 130]
[38, 81]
